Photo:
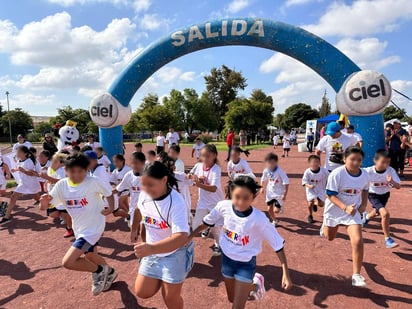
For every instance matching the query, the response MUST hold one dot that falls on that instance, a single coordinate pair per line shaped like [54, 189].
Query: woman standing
[49, 145]
[242, 137]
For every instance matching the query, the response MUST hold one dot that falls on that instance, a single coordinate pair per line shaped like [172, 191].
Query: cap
[332, 128]
[351, 127]
[91, 154]
[397, 121]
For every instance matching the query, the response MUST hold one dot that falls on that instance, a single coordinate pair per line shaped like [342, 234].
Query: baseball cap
[91, 154]
[397, 121]
[350, 127]
[332, 128]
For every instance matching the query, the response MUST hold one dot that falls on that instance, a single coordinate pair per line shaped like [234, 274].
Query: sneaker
[390, 243]
[216, 251]
[259, 281]
[321, 232]
[4, 220]
[110, 279]
[315, 207]
[365, 219]
[205, 233]
[69, 233]
[358, 280]
[310, 219]
[62, 222]
[99, 280]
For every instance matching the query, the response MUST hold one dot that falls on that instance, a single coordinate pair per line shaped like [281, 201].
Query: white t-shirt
[160, 141]
[94, 145]
[104, 160]
[331, 145]
[277, 180]
[3, 182]
[319, 180]
[378, 182]
[172, 138]
[60, 173]
[241, 237]
[208, 200]
[27, 184]
[162, 218]
[101, 174]
[286, 142]
[42, 169]
[179, 166]
[275, 140]
[241, 168]
[198, 148]
[117, 175]
[26, 143]
[348, 189]
[84, 203]
[184, 183]
[131, 182]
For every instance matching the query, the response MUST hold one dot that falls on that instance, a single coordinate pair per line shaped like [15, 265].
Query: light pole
[8, 116]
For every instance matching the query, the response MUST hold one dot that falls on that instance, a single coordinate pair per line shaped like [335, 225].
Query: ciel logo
[364, 93]
[107, 112]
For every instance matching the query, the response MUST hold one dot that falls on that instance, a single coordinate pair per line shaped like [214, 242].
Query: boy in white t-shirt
[275, 183]
[160, 143]
[275, 141]
[82, 196]
[174, 152]
[103, 159]
[314, 180]
[197, 148]
[382, 179]
[286, 145]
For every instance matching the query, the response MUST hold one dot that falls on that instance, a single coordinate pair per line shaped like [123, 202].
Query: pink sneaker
[259, 281]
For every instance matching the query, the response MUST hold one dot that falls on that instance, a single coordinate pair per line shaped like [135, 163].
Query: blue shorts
[173, 268]
[240, 271]
[82, 244]
[378, 201]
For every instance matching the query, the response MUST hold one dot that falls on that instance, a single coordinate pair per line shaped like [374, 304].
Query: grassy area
[11, 184]
[221, 146]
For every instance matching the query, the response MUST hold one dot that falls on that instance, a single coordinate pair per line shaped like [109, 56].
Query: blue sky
[63, 52]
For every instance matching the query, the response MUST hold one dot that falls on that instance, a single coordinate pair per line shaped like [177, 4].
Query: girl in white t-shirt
[238, 166]
[103, 159]
[28, 184]
[244, 230]
[347, 191]
[165, 253]
[121, 199]
[206, 176]
[42, 164]
[286, 145]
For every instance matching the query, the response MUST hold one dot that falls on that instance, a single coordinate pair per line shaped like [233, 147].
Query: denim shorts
[170, 269]
[82, 244]
[240, 271]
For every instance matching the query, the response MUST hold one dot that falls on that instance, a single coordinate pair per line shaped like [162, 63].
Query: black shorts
[275, 203]
[378, 201]
[286, 149]
[51, 210]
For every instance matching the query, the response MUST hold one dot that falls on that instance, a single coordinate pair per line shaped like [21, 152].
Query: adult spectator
[91, 142]
[322, 132]
[334, 144]
[396, 146]
[281, 134]
[21, 141]
[172, 138]
[350, 131]
[310, 139]
[48, 144]
[160, 142]
[230, 142]
[242, 138]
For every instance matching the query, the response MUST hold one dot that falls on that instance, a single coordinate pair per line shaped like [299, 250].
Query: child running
[102, 159]
[42, 164]
[286, 145]
[197, 148]
[174, 152]
[382, 179]
[28, 184]
[238, 166]
[275, 141]
[244, 229]
[275, 183]
[206, 176]
[4, 175]
[54, 173]
[122, 200]
[314, 180]
[82, 196]
[347, 191]
[165, 255]
[150, 156]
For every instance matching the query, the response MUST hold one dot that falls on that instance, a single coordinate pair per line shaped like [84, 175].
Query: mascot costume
[68, 135]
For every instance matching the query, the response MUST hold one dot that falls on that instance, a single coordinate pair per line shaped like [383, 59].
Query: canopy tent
[271, 128]
[328, 118]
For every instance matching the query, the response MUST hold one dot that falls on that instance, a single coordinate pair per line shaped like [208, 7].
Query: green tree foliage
[79, 115]
[279, 121]
[391, 112]
[297, 114]
[43, 128]
[222, 86]
[259, 96]
[249, 114]
[325, 108]
[21, 122]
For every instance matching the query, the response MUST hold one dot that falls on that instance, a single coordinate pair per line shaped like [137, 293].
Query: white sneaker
[358, 280]
[99, 280]
[321, 232]
[275, 222]
[259, 281]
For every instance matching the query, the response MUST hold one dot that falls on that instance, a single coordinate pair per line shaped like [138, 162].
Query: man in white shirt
[350, 131]
[91, 142]
[160, 142]
[21, 142]
[172, 137]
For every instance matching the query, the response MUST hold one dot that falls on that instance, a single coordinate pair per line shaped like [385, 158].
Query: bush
[34, 137]
[206, 138]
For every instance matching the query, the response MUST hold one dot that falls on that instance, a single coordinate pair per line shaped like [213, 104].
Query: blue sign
[293, 41]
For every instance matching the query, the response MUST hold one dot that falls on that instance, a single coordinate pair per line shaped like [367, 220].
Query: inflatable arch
[362, 95]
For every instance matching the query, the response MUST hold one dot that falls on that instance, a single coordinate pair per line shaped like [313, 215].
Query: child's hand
[310, 186]
[350, 209]
[45, 200]
[20, 169]
[283, 197]
[43, 175]
[286, 283]
[262, 191]
[8, 176]
[106, 211]
[142, 249]
[389, 179]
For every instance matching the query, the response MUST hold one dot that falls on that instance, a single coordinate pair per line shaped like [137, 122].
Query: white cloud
[405, 87]
[188, 76]
[137, 5]
[362, 17]
[289, 3]
[237, 5]
[151, 22]
[170, 74]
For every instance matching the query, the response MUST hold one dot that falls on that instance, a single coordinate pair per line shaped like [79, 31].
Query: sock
[367, 217]
[99, 269]
[68, 228]
[386, 238]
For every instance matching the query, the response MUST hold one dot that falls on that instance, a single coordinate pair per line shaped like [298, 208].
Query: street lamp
[8, 116]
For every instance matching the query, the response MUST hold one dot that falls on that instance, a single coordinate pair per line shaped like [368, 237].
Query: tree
[248, 114]
[79, 115]
[21, 122]
[260, 96]
[222, 86]
[391, 112]
[279, 121]
[325, 108]
[297, 114]
[43, 128]
[156, 118]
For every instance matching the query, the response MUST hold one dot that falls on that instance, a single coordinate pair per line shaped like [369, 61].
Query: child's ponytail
[240, 150]
[158, 170]
[28, 153]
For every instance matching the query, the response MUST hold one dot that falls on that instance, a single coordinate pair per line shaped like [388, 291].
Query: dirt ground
[31, 248]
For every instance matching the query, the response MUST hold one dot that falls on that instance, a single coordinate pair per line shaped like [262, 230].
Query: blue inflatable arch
[331, 64]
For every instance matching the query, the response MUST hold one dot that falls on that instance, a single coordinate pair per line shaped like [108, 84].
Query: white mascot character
[68, 135]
